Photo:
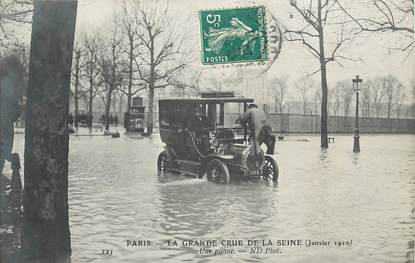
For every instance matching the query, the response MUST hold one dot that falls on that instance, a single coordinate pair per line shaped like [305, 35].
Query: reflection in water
[116, 195]
[324, 157]
[196, 209]
[356, 159]
[10, 221]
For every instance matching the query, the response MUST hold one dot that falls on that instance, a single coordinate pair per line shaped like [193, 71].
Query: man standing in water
[259, 127]
[10, 82]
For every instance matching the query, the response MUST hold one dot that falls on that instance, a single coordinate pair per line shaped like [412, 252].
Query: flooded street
[368, 199]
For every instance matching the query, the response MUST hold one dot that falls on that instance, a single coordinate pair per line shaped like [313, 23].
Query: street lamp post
[356, 144]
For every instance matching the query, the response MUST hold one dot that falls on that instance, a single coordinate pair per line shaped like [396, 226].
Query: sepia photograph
[207, 131]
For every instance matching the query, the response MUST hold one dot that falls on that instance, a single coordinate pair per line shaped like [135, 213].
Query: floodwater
[366, 199]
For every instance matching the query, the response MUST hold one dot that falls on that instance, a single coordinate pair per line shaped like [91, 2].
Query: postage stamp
[233, 35]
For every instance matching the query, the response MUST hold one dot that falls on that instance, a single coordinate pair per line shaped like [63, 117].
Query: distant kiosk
[134, 120]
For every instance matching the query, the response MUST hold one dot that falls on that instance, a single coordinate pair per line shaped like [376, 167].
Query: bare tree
[388, 16]
[346, 93]
[378, 94]
[91, 72]
[410, 113]
[77, 75]
[185, 85]
[304, 86]
[311, 33]
[279, 90]
[159, 59]
[392, 87]
[129, 26]
[336, 100]
[317, 100]
[399, 100]
[20, 51]
[366, 99]
[110, 61]
[12, 13]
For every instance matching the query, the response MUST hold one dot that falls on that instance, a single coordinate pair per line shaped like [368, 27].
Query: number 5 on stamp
[233, 35]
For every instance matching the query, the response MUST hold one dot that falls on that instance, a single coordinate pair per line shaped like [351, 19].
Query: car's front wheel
[163, 162]
[271, 170]
[217, 172]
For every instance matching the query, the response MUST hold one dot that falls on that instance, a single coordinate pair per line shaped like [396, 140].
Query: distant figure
[76, 120]
[116, 120]
[89, 118]
[70, 119]
[111, 119]
[11, 82]
[199, 124]
[259, 127]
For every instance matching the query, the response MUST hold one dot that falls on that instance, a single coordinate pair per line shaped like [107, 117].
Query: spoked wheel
[217, 172]
[163, 162]
[271, 171]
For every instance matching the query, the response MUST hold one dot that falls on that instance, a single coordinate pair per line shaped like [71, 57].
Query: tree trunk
[324, 91]
[76, 96]
[46, 219]
[76, 102]
[120, 102]
[324, 115]
[130, 77]
[107, 110]
[90, 106]
[129, 98]
[151, 90]
[114, 104]
[150, 111]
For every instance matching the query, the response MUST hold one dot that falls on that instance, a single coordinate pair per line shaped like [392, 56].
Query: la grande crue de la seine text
[215, 242]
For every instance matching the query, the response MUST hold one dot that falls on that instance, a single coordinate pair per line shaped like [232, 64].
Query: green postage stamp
[233, 35]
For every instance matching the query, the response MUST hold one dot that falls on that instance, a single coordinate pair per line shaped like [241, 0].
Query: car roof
[208, 100]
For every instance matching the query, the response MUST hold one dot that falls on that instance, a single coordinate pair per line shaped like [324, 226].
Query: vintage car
[230, 155]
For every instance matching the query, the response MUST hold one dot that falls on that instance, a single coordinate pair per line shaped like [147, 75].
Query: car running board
[188, 162]
[195, 175]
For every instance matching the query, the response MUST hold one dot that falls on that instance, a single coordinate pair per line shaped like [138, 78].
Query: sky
[372, 52]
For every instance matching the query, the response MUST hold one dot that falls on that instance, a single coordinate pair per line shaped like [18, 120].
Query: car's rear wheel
[163, 162]
[217, 172]
[271, 170]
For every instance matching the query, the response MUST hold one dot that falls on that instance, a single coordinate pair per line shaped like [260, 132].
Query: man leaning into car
[259, 127]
